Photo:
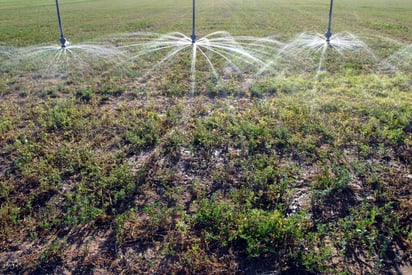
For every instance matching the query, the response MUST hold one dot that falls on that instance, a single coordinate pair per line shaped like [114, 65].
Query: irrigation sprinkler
[193, 36]
[328, 34]
[62, 40]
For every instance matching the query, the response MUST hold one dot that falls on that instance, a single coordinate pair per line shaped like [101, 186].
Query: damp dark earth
[205, 137]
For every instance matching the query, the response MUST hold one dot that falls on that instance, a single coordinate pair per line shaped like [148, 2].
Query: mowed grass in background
[35, 22]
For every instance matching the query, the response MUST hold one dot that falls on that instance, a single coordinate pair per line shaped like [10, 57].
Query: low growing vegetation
[315, 180]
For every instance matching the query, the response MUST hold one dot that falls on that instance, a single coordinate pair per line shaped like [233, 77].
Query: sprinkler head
[193, 36]
[328, 35]
[63, 41]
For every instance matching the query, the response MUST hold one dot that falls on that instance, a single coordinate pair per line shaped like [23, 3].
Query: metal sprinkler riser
[62, 39]
[328, 34]
[193, 36]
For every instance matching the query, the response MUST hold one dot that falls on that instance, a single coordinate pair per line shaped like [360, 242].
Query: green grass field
[26, 23]
[296, 171]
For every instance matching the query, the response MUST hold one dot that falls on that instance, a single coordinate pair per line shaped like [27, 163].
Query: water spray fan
[62, 39]
[328, 34]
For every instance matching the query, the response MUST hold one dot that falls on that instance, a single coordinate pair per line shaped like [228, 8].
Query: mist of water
[401, 60]
[54, 60]
[309, 52]
[222, 53]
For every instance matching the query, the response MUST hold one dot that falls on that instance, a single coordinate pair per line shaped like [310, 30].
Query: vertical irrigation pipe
[62, 40]
[328, 34]
[193, 36]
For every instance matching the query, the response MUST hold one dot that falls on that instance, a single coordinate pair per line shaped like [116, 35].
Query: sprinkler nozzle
[63, 41]
[193, 36]
[328, 35]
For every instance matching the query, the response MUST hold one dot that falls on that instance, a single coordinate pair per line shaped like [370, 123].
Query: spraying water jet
[62, 39]
[217, 49]
[328, 34]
